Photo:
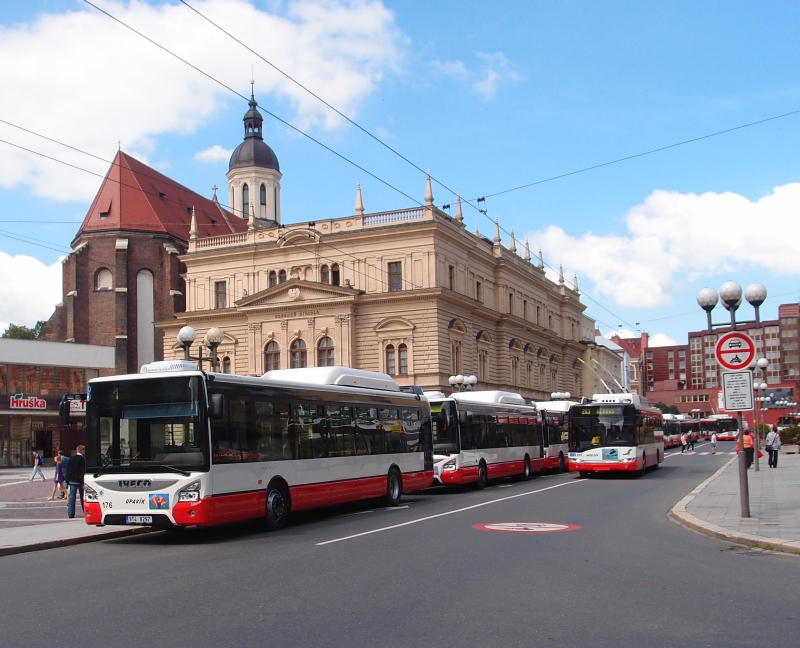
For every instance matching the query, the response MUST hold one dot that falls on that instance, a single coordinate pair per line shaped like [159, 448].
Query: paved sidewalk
[31, 522]
[713, 507]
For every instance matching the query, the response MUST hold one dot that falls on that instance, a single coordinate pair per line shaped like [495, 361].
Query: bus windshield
[594, 426]
[142, 425]
[445, 428]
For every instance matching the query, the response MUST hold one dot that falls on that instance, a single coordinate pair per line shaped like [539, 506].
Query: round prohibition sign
[525, 527]
[735, 351]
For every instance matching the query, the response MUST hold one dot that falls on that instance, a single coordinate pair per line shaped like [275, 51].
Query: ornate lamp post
[212, 340]
[186, 336]
[462, 382]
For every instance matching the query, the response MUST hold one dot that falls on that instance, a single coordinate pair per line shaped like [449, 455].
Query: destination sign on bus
[600, 411]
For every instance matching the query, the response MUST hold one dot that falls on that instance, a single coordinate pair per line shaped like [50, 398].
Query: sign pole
[744, 488]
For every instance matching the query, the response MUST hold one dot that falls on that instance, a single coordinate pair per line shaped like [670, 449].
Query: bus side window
[240, 433]
[224, 449]
[303, 429]
[370, 430]
[411, 428]
[339, 426]
[488, 428]
[272, 427]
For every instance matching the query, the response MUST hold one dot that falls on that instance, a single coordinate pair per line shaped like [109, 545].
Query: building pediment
[297, 291]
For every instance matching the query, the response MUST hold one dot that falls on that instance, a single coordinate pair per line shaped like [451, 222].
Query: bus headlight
[190, 493]
[449, 465]
[90, 494]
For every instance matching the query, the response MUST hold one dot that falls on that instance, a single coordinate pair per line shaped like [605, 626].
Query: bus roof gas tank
[342, 376]
[633, 399]
[491, 396]
[162, 366]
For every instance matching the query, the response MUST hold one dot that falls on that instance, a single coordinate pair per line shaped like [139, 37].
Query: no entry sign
[735, 351]
[525, 527]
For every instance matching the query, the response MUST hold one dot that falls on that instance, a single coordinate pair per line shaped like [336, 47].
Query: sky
[489, 97]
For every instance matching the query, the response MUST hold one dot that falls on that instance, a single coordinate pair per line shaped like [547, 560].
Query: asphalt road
[422, 576]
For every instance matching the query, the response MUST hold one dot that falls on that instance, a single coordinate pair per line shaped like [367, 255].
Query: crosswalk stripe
[704, 453]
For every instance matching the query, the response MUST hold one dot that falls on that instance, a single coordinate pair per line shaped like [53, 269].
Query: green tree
[667, 409]
[15, 332]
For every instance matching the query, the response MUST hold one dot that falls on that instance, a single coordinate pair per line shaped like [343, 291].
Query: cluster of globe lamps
[462, 382]
[730, 293]
[212, 339]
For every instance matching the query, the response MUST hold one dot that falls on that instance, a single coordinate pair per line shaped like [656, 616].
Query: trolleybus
[555, 432]
[615, 432]
[174, 446]
[725, 426]
[483, 435]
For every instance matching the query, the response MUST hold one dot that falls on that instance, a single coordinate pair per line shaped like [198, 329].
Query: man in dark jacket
[75, 472]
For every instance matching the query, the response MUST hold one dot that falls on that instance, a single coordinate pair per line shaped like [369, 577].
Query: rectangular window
[524, 309]
[395, 276]
[221, 294]
[403, 351]
[511, 303]
[451, 277]
[478, 291]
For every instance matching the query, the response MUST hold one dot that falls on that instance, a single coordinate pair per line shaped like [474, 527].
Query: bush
[788, 434]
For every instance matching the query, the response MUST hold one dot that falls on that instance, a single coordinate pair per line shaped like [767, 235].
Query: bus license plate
[138, 519]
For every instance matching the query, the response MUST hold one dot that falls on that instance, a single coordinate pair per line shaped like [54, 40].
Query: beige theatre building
[411, 292]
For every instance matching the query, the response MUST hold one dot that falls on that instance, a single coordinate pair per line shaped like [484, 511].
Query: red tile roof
[137, 198]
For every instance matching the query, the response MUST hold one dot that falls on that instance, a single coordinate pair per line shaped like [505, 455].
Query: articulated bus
[173, 446]
[555, 430]
[483, 435]
[725, 426]
[615, 432]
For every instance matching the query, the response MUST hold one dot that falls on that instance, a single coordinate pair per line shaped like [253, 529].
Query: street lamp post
[731, 295]
[212, 340]
[462, 382]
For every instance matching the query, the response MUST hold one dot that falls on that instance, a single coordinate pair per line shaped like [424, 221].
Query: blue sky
[488, 96]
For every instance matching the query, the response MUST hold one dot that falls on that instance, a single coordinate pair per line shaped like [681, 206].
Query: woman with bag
[773, 446]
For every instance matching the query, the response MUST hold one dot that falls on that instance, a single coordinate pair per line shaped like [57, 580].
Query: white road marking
[705, 453]
[14, 483]
[505, 485]
[395, 508]
[438, 515]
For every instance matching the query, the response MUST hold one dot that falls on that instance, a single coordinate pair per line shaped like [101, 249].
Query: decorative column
[311, 345]
[285, 355]
[255, 360]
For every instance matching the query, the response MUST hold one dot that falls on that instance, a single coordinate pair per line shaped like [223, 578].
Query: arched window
[391, 360]
[263, 195]
[273, 278]
[103, 280]
[324, 275]
[335, 274]
[272, 356]
[226, 365]
[402, 352]
[245, 201]
[299, 358]
[325, 357]
[145, 317]
[282, 276]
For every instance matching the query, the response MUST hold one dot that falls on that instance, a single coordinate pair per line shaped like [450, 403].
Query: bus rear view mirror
[216, 406]
[63, 411]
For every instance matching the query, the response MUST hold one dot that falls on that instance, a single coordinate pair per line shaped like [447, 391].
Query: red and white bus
[615, 432]
[555, 432]
[174, 446]
[725, 426]
[483, 435]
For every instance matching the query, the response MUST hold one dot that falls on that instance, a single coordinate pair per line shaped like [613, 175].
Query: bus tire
[394, 487]
[526, 469]
[562, 463]
[278, 504]
[644, 465]
[483, 475]
[584, 473]
[658, 460]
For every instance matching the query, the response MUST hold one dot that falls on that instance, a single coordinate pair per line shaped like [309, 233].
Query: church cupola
[254, 173]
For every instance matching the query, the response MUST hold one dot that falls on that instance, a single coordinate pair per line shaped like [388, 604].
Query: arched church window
[402, 352]
[226, 365]
[298, 354]
[263, 194]
[273, 278]
[282, 276]
[324, 275]
[245, 202]
[103, 281]
[272, 356]
[335, 274]
[391, 360]
[325, 357]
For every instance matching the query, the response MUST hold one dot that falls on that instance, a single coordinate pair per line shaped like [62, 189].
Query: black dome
[253, 151]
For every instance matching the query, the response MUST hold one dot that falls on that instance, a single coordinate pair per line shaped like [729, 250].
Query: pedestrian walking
[38, 462]
[749, 447]
[713, 443]
[75, 472]
[690, 441]
[773, 446]
[64, 468]
[683, 443]
[58, 480]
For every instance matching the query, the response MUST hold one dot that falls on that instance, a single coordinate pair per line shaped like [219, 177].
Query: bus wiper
[180, 471]
[101, 469]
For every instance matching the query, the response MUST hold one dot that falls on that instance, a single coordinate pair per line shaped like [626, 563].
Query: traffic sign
[737, 390]
[525, 527]
[735, 351]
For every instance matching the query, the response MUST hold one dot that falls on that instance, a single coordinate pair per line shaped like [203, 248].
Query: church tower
[254, 176]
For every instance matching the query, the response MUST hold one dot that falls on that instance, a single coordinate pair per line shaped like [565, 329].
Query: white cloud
[213, 154]
[32, 293]
[621, 333]
[673, 238]
[80, 77]
[492, 71]
[660, 340]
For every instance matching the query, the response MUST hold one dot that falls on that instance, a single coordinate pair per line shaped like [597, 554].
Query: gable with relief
[297, 292]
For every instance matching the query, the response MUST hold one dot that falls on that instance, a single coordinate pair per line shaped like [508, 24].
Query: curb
[683, 516]
[66, 542]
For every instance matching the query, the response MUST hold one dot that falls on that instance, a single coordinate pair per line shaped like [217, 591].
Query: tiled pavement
[713, 507]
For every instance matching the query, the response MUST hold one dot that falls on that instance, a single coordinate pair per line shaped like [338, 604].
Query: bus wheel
[644, 466]
[584, 473]
[562, 463]
[658, 459]
[277, 506]
[526, 470]
[394, 488]
[483, 476]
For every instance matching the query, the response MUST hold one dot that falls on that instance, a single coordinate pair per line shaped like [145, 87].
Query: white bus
[174, 446]
[483, 435]
[615, 432]
[555, 432]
